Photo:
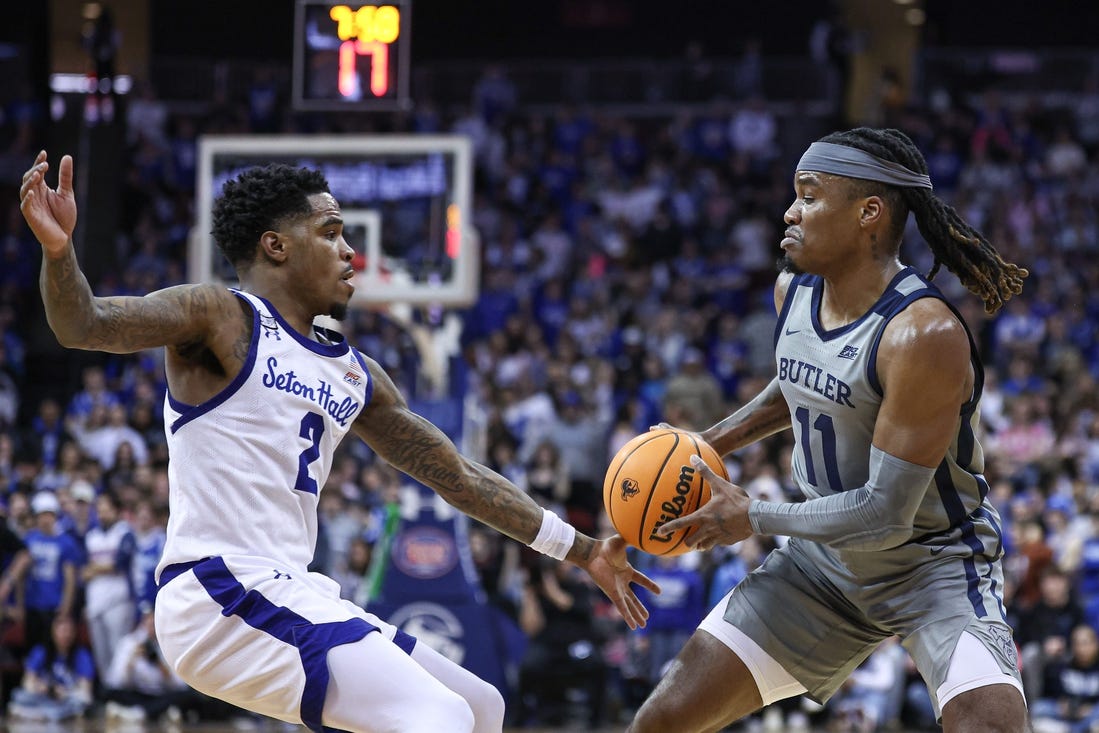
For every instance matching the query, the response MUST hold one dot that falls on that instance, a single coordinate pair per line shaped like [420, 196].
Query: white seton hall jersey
[246, 467]
[830, 382]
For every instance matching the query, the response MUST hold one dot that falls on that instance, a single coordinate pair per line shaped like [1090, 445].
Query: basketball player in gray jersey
[879, 379]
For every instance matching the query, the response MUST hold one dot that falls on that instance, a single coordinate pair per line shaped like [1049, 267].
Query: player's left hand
[612, 572]
[723, 520]
[50, 213]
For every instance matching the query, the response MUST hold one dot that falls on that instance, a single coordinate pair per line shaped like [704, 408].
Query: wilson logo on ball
[673, 509]
[650, 482]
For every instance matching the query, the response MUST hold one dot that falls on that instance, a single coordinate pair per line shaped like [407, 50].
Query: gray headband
[843, 160]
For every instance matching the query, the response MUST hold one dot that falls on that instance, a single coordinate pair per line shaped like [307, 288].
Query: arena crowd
[627, 276]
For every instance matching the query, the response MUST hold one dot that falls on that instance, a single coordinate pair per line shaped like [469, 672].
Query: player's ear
[273, 246]
[871, 211]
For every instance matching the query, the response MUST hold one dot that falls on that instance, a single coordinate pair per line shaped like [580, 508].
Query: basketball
[651, 481]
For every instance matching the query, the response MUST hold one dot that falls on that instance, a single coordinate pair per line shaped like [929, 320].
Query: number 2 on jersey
[823, 424]
[312, 428]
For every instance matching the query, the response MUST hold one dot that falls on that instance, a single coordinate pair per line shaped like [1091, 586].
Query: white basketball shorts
[245, 631]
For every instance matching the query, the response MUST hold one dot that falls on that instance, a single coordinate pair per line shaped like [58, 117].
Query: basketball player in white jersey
[879, 379]
[258, 399]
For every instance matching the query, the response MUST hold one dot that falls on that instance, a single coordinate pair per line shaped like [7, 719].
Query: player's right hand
[723, 520]
[50, 213]
[611, 570]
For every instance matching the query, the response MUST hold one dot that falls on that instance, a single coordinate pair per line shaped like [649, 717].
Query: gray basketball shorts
[819, 619]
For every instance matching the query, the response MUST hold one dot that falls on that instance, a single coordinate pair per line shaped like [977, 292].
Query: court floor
[98, 725]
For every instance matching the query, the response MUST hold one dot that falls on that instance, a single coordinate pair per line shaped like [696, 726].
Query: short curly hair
[258, 200]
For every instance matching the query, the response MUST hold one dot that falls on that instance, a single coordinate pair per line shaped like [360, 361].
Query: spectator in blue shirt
[51, 583]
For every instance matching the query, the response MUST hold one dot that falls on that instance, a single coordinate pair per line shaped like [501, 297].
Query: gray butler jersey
[829, 380]
[819, 610]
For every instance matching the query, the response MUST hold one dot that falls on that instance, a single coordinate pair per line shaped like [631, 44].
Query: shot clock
[351, 56]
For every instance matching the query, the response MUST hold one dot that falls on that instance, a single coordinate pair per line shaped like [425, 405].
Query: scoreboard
[349, 56]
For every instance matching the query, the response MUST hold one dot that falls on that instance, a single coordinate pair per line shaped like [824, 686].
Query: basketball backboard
[406, 202]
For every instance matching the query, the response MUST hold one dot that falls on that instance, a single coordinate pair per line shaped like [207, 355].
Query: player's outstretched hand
[50, 213]
[723, 520]
[613, 573]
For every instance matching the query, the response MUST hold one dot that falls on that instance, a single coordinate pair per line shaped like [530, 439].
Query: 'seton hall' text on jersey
[812, 376]
[288, 382]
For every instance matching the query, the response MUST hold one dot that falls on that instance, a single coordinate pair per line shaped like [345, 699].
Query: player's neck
[851, 292]
[293, 310]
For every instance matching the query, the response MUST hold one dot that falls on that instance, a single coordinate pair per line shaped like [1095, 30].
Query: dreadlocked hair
[960, 247]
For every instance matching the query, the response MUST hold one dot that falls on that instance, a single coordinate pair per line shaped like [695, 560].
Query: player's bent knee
[447, 712]
[656, 717]
[488, 706]
[667, 710]
[649, 720]
[998, 708]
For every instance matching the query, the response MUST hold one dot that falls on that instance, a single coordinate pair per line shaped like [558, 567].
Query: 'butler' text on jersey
[813, 377]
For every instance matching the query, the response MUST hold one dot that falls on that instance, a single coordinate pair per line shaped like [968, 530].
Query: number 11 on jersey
[823, 426]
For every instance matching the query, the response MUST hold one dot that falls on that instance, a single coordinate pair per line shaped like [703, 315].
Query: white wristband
[555, 536]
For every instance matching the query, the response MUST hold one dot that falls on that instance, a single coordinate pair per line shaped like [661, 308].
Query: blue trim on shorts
[973, 578]
[175, 570]
[999, 551]
[982, 485]
[313, 641]
[406, 642]
[955, 510]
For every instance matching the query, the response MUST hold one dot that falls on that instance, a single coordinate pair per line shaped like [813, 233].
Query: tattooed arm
[179, 316]
[413, 445]
[765, 415]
